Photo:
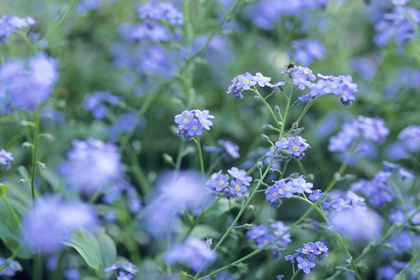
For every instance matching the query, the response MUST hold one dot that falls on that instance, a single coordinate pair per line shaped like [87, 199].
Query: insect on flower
[290, 65]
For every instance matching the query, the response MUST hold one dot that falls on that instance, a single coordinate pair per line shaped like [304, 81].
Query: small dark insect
[290, 65]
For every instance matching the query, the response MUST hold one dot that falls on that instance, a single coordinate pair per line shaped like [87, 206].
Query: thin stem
[255, 90]
[295, 274]
[200, 156]
[34, 154]
[62, 19]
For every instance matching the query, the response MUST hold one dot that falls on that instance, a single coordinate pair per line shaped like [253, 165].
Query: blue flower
[5, 159]
[261, 80]
[123, 276]
[52, 220]
[129, 267]
[237, 187]
[8, 24]
[113, 267]
[240, 175]
[203, 117]
[37, 77]
[272, 193]
[257, 231]
[194, 252]
[305, 264]
[218, 181]
[95, 102]
[11, 268]
[92, 166]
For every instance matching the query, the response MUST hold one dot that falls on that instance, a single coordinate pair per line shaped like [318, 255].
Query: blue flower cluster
[398, 24]
[126, 266]
[286, 188]
[264, 235]
[245, 81]
[191, 123]
[92, 166]
[290, 146]
[11, 267]
[8, 24]
[368, 129]
[194, 252]
[341, 86]
[52, 220]
[307, 254]
[378, 189]
[236, 187]
[17, 78]
[95, 103]
[5, 159]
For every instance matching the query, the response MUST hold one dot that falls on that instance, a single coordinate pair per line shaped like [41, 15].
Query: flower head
[305, 264]
[92, 165]
[52, 220]
[8, 24]
[5, 159]
[37, 77]
[194, 252]
[189, 126]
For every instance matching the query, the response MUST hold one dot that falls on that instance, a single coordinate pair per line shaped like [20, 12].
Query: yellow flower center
[184, 120]
[221, 182]
[334, 86]
[2, 159]
[274, 194]
[194, 127]
[346, 92]
[287, 189]
[246, 82]
[295, 148]
[237, 188]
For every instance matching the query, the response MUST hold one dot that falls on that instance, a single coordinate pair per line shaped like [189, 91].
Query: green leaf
[107, 250]
[87, 246]
[99, 250]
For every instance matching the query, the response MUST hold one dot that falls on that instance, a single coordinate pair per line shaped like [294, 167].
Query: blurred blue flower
[5, 159]
[194, 252]
[92, 166]
[307, 50]
[8, 24]
[397, 25]
[154, 10]
[11, 268]
[88, 5]
[94, 102]
[37, 78]
[129, 267]
[356, 225]
[229, 149]
[52, 220]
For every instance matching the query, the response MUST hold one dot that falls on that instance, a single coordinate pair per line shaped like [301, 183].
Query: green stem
[199, 218]
[34, 154]
[58, 271]
[62, 19]
[138, 171]
[255, 90]
[295, 274]
[200, 156]
[37, 273]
